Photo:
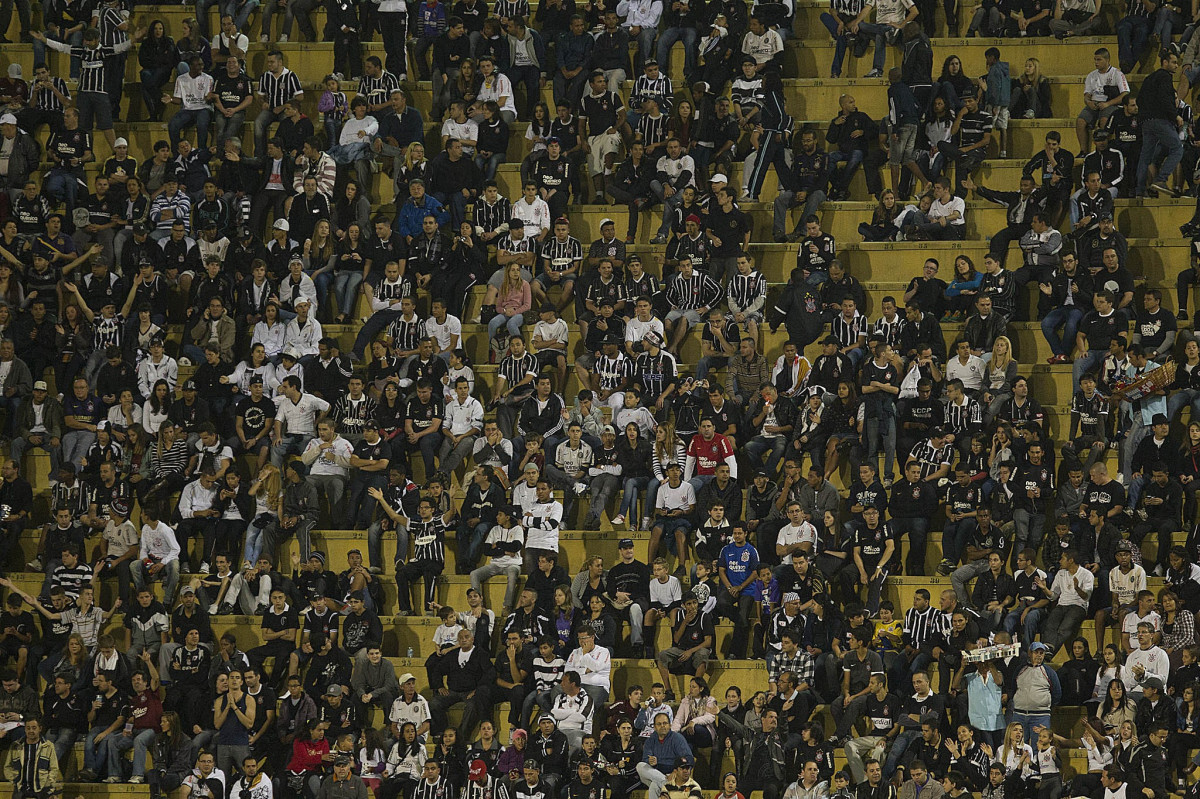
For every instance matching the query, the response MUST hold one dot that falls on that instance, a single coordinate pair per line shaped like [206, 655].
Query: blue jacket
[958, 286]
[667, 751]
[408, 223]
[999, 85]
[574, 51]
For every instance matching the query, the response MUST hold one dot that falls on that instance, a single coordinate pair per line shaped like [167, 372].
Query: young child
[713, 535]
[1186, 674]
[548, 669]
[445, 636]
[765, 591]
[1046, 765]
[889, 631]
[841, 786]
[334, 109]
[995, 787]
[706, 586]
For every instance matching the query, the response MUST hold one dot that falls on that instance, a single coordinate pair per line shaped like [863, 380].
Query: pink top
[511, 303]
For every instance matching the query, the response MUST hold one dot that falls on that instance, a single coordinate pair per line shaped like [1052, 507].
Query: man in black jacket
[454, 180]
[810, 168]
[1019, 209]
[913, 504]
[465, 675]
[1147, 773]
[477, 516]
[1158, 109]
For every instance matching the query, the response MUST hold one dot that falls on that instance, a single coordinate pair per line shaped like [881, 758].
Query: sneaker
[136, 779]
[659, 240]
[260, 610]
[185, 361]
[618, 520]
[264, 39]
[887, 483]
[945, 567]
[375, 570]
[580, 488]
[204, 567]
[226, 609]
[111, 780]
[1004, 153]
[283, 38]
[1162, 188]
[645, 523]
[35, 565]
[1030, 114]
[875, 73]
[1182, 315]
[339, 76]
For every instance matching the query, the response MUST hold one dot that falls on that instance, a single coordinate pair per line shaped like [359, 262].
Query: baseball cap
[533, 765]
[187, 589]
[244, 232]
[1038, 646]
[718, 178]
[189, 385]
[406, 676]
[625, 543]
[140, 227]
[8, 119]
[654, 338]
[15, 72]
[121, 142]
[685, 762]
[553, 140]
[693, 218]
[257, 380]
[1124, 545]
[1153, 682]
[40, 385]
[313, 594]
[282, 224]
[608, 428]
[478, 769]
[606, 221]
[333, 690]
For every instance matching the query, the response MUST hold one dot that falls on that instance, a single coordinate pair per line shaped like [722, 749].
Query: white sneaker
[204, 567]
[618, 520]
[580, 488]
[136, 780]
[185, 361]
[645, 523]
[264, 39]
[283, 38]
[35, 565]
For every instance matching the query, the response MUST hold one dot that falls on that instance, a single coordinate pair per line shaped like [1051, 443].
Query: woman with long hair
[1116, 707]
[563, 620]
[123, 415]
[267, 490]
[696, 717]
[1111, 666]
[1099, 748]
[1189, 472]
[1016, 756]
[270, 332]
[73, 341]
[1186, 735]
[12, 293]
[319, 256]
[537, 134]
[168, 462]
[486, 747]
[256, 365]
[350, 261]
[634, 454]
[465, 87]
[667, 449]
[882, 225]
[513, 301]
[140, 331]
[135, 456]
[1178, 626]
[352, 207]
[405, 764]
[998, 379]
[1078, 675]
[842, 425]
[1185, 388]
[389, 415]
[306, 763]
[596, 618]
[372, 758]
[382, 368]
[1126, 742]
[962, 291]
[192, 44]
[953, 83]
[173, 756]
[1031, 95]
[492, 149]
[682, 126]
[157, 407]
[156, 57]
[67, 662]
[414, 166]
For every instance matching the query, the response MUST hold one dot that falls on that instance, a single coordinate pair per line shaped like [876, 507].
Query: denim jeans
[880, 33]
[254, 542]
[759, 445]
[1085, 363]
[185, 119]
[1068, 319]
[1158, 134]
[96, 756]
[375, 542]
[669, 36]
[63, 740]
[629, 496]
[139, 743]
[1028, 629]
[843, 176]
[1132, 35]
[512, 323]
[840, 43]
[1175, 403]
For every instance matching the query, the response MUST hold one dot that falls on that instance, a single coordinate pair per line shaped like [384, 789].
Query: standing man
[1158, 109]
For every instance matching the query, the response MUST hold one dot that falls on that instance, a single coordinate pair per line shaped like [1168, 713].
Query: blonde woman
[513, 301]
[267, 490]
[999, 378]
[1015, 756]
[667, 449]
[1031, 95]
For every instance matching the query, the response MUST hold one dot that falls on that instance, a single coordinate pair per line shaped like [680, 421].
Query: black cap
[244, 232]
[189, 385]
[256, 380]
[625, 543]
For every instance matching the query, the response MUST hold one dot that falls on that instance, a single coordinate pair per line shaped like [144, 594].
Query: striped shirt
[46, 100]
[889, 331]
[745, 290]
[961, 418]
[974, 128]
[490, 217]
[524, 244]
[613, 371]
[71, 579]
[930, 457]
[429, 539]
[655, 372]
[848, 332]
[277, 90]
[405, 334]
[919, 625]
[172, 461]
[659, 89]
[514, 370]
[689, 293]
[377, 90]
[744, 92]
[110, 34]
[182, 207]
[108, 332]
[1138, 9]
[507, 9]
[653, 130]
[848, 8]
[554, 249]
[91, 62]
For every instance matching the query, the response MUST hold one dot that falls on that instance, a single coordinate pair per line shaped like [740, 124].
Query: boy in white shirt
[550, 342]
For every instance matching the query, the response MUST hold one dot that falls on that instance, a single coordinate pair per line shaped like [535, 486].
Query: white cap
[14, 71]
[718, 178]
[282, 224]
[120, 142]
[8, 119]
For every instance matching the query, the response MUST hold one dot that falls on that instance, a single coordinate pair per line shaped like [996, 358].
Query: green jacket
[52, 418]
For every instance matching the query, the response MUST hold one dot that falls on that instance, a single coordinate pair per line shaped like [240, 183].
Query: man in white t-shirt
[1104, 91]
[328, 460]
[1143, 614]
[642, 323]
[444, 329]
[295, 419]
[1146, 663]
[459, 126]
[946, 219]
[763, 44]
[191, 91]
[798, 535]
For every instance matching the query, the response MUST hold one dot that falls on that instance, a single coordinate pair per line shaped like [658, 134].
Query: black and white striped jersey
[429, 539]
[613, 371]
[406, 334]
[277, 90]
[514, 370]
